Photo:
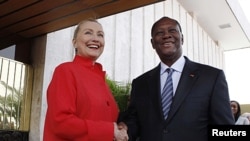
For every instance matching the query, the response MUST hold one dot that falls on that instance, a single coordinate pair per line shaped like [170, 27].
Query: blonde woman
[80, 104]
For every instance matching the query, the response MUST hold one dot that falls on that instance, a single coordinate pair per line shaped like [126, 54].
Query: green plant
[121, 92]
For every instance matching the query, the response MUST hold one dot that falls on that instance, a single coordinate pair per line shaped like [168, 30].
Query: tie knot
[169, 71]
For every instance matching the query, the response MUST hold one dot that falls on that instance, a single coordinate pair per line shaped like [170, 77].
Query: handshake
[120, 132]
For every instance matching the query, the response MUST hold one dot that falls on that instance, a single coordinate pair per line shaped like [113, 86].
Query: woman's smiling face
[89, 40]
[234, 107]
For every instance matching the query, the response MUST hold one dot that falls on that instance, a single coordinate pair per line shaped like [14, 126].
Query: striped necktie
[167, 93]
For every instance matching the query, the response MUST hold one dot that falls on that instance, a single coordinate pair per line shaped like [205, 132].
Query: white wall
[128, 52]
[237, 70]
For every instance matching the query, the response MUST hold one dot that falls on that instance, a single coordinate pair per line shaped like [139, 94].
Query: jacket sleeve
[220, 109]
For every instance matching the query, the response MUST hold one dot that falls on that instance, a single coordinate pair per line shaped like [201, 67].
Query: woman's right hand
[120, 134]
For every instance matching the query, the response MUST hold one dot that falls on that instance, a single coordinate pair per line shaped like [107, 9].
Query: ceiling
[211, 14]
[31, 18]
[24, 19]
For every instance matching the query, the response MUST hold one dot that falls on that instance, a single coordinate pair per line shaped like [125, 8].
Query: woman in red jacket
[80, 104]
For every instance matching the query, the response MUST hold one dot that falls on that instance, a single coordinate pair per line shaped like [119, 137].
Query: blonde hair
[79, 25]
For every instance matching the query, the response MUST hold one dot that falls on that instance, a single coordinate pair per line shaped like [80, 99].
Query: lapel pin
[191, 75]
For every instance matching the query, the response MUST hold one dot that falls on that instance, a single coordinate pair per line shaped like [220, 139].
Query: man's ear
[152, 43]
[182, 39]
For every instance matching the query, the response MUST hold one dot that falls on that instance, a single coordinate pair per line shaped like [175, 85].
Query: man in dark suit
[200, 94]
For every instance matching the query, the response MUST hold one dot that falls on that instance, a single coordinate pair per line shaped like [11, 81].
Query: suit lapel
[189, 76]
[154, 89]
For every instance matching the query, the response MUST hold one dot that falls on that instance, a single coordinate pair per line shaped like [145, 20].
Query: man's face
[167, 39]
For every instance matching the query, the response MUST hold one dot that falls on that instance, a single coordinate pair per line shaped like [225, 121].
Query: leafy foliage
[121, 92]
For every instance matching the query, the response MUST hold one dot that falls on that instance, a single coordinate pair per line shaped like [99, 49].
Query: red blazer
[80, 104]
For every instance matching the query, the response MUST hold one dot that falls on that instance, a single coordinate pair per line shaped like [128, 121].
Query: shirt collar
[177, 66]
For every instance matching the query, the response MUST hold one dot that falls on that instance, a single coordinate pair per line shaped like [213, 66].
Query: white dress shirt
[178, 67]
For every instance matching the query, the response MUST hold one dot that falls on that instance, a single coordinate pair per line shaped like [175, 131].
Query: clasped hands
[120, 132]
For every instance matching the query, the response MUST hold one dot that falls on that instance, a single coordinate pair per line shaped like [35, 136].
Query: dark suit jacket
[201, 99]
